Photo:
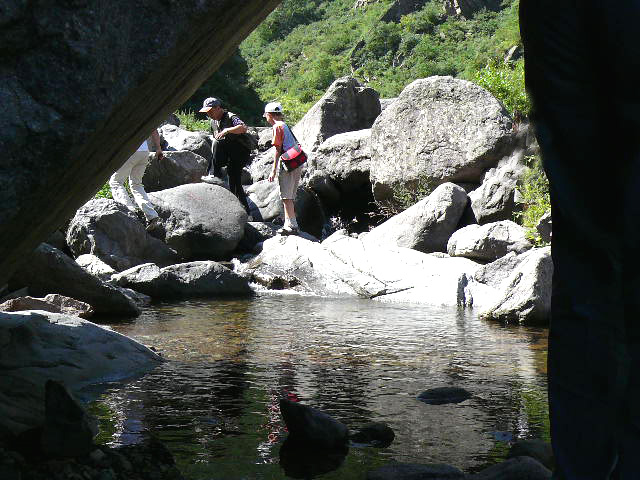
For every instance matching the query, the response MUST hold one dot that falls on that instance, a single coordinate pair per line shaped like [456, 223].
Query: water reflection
[359, 361]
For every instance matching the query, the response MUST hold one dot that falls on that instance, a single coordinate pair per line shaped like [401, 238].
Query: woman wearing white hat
[283, 140]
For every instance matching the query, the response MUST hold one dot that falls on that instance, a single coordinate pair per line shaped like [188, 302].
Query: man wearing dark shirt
[230, 147]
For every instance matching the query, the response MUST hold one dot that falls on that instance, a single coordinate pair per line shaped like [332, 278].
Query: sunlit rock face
[81, 86]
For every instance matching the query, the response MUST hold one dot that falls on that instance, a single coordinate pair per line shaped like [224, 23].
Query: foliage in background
[189, 121]
[304, 45]
[534, 193]
[506, 82]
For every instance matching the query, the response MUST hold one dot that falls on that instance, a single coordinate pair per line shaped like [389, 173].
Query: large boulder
[48, 270]
[202, 221]
[96, 267]
[265, 205]
[425, 226]
[524, 296]
[106, 229]
[439, 129]
[340, 165]
[110, 78]
[176, 168]
[179, 139]
[39, 346]
[184, 280]
[495, 199]
[346, 106]
[345, 266]
[488, 242]
[261, 165]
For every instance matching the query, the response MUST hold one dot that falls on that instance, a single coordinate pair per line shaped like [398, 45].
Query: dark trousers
[582, 68]
[234, 157]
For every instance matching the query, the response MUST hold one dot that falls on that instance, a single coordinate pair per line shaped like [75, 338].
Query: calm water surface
[214, 404]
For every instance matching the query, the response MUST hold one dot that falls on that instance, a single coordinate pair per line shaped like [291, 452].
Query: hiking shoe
[288, 230]
[154, 223]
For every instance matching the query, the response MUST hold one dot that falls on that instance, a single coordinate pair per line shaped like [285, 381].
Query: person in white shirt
[134, 169]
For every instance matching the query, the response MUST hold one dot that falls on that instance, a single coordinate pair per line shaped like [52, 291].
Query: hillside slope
[304, 45]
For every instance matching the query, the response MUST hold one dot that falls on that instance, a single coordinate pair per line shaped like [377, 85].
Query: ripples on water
[214, 404]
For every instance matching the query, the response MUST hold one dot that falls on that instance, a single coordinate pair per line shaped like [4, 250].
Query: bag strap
[293, 135]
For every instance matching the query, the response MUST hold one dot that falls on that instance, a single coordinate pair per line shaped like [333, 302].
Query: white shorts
[289, 183]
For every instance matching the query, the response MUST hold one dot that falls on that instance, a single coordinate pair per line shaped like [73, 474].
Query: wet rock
[37, 347]
[184, 280]
[106, 229]
[415, 471]
[518, 468]
[202, 221]
[488, 242]
[444, 395]
[53, 303]
[310, 427]
[374, 434]
[458, 131]
[68, 430]
[427, 225]
[345, 107]
[536, 449]
[48, 270]
[175, 169]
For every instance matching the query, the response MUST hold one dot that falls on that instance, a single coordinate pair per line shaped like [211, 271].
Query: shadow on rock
[299, 460]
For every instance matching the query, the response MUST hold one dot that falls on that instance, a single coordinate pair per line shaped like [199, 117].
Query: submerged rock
[310, 427]
[374, 434]
[518, 468]
[415, 471]
[444, 395]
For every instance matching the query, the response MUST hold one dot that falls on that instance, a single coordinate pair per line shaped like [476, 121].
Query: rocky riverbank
[456, 246]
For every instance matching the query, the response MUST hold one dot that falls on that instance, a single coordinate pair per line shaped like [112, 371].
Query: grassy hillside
[304, 45]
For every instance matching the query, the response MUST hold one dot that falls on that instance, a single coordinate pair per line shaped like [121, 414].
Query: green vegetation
[104, 192]
[189, 121]
[506, 82]
[534, 190]
[304, 45]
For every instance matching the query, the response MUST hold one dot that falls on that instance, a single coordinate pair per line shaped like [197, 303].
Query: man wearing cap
[134, 168]
[230, 147]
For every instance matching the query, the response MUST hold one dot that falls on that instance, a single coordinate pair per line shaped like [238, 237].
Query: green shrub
[506, 83]
[534, 191]
[189, 121]
[104, 192]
